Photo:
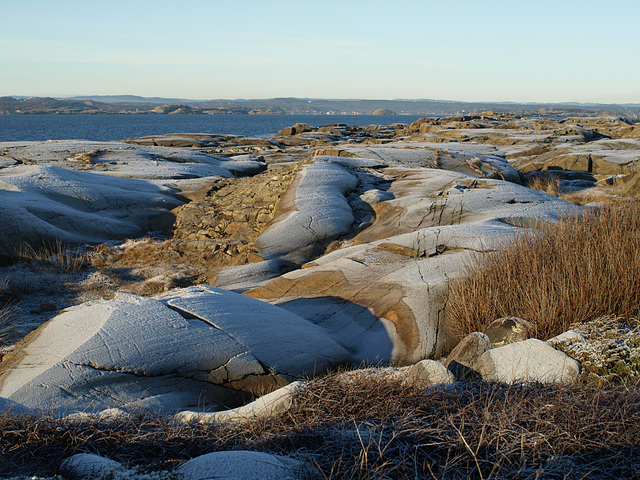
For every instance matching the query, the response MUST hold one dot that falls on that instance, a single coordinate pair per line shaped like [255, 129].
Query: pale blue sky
[585, 51]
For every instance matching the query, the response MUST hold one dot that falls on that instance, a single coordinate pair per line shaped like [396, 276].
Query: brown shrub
[580, 268]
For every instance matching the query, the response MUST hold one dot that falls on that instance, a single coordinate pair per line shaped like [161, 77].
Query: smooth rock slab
[242, 465]
[192, 348]
[528, 361]
[321, 213]
[52, 203]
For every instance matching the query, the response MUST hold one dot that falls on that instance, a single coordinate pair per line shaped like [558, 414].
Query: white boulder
[91, 466]
[242, 465]
[528, 361]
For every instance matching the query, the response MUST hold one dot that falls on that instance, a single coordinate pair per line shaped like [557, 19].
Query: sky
[516, 50]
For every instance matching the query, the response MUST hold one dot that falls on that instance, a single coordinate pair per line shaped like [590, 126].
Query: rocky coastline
[210, 278]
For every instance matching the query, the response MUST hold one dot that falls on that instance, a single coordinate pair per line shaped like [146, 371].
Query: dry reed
[580, 268]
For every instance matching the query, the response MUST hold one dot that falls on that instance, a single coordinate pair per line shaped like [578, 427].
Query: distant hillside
[131, 104]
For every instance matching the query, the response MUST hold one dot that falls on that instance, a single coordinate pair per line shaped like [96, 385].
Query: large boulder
[528, 361]
[193, 348]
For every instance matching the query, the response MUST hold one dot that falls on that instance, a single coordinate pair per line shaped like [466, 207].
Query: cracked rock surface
[193, 348]
[345, 237]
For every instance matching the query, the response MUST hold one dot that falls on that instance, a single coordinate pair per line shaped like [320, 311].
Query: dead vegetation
[6, 313]
[376, 426]
[55, 256]
[583, 267]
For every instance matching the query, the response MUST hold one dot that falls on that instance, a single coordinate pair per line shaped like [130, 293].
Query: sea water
[41, 127]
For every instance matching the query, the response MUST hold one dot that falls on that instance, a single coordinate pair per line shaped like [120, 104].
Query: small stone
[88, 465]
[47, 307]
[508, 330]
[570, 336]
[429, 372]
[462, 359]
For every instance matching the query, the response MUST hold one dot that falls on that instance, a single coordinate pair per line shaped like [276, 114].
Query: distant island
[131, 104]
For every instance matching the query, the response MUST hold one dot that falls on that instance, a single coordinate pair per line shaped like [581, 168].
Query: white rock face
[128, 160]
[192, 348]
[321, 213]
[383, 297]
[77, 207]
[72, 190]
[528, 361]
[241, 465]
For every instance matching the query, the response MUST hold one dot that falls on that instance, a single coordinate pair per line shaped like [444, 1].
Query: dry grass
[7, 311]
[53, 255]
[583, 267]
[545, 183]
[377, 426]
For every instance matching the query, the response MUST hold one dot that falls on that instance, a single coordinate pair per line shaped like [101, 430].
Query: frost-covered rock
[569, 336]
[318, 213]
[242, 465]
[383, 296]
[91, 466]
[528, 361]
[192, 348]
[265, 406]
[76, 191]
[53, 203]
[13, 408]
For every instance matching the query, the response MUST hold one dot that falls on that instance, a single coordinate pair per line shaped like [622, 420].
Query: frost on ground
[126, 474]
[609, 351]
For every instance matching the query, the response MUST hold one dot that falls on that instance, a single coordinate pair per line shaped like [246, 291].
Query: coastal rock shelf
[252, 263]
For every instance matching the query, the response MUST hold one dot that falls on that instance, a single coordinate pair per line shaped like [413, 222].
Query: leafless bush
[580, 268]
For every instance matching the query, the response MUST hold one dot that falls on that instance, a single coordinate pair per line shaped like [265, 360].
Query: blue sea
[119, 127]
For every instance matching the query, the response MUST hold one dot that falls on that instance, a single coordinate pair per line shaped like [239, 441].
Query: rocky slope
[345, 237]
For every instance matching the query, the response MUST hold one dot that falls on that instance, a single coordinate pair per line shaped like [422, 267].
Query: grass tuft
[53, 255]
[580, 268]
